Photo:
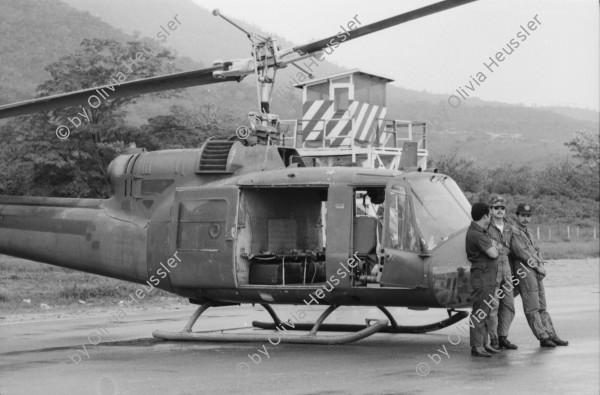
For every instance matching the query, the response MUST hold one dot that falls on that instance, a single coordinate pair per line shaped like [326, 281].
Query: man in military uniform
[503, 309]
[528, 261]
[482, 254]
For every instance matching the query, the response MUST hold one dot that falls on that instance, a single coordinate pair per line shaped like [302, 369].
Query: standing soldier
[529, 260]
[503, 311]
[482, 254]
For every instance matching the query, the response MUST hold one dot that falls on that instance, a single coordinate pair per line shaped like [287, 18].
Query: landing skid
[454, 316]
[371, 327]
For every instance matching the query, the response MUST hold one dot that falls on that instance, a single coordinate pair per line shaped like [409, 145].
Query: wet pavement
[96, 356]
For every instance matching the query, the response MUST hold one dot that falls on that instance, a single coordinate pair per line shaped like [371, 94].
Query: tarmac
[94, 355]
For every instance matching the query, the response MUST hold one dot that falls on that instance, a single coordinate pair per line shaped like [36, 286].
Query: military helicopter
[248, 220]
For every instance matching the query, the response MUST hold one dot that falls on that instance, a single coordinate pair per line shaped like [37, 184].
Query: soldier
[528, 259]
[503, 309]
[482, 254]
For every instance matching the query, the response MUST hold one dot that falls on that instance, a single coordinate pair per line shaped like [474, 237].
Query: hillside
[36, 33]
[491, 134]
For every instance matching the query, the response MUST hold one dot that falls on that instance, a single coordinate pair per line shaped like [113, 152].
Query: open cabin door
[203, 232]
[403, 266]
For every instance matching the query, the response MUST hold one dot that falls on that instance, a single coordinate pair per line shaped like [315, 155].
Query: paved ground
[59, 356]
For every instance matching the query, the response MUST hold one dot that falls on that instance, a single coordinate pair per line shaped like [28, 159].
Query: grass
[570, 249]
[62, 289]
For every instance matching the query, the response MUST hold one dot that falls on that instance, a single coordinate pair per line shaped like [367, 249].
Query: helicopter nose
[449, 271]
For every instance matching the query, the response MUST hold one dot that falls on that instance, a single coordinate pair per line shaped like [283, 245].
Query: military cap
[497, 199]
[524, 208]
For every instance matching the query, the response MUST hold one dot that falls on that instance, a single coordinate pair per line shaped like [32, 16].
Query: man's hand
[492, 252]
[541, 270]
[540, 276]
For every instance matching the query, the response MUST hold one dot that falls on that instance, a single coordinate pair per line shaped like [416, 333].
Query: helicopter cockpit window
[369, 202]
[440, 209]
[402, 234]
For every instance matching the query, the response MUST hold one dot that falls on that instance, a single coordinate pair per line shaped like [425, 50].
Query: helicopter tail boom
[74, 233]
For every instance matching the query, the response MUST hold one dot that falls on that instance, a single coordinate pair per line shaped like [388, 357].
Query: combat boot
[480, 352]
[558, 341]
[547, 343]
[504, 343]
[495, 345]
[491, 350]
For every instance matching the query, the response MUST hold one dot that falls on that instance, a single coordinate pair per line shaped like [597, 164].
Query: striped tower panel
[363, 133]
[340, 130]
[360, 118]
[380, 113]
[315, 110]
[366, 111]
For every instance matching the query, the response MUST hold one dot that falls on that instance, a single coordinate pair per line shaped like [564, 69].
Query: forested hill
[36, 33]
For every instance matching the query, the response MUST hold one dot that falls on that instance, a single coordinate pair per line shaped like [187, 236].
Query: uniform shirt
[522, 247]
[477, 242]
[503, 237]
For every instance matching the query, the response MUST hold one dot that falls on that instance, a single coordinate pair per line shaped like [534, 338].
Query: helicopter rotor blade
[125, 89]
[317, 46]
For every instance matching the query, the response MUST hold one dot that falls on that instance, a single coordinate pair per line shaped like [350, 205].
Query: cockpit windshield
[440, 208]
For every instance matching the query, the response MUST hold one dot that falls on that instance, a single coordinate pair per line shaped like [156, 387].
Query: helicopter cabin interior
[283, 233]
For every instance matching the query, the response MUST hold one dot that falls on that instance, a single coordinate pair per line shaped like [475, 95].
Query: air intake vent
[213, 158]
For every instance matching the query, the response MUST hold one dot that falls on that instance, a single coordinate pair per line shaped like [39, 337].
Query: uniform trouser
[502, 311]
[482, 291]
[534, 303]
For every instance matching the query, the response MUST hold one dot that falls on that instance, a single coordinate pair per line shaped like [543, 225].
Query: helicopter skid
[372, 327]
[392, 328]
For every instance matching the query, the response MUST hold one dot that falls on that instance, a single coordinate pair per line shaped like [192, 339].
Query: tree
[465, 172]
[585, 147]
[561, 179]
[189, 125]
[78, 165]
[505, 180]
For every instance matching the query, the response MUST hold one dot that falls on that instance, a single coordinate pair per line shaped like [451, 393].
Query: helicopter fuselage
[229, 223]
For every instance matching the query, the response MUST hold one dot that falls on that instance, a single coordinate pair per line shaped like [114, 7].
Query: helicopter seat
[365, 236]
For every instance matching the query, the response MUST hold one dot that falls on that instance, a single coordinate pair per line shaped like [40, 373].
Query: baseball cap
[524, 208]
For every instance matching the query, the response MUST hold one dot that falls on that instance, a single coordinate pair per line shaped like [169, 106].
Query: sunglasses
[499, 207]
[525, 215]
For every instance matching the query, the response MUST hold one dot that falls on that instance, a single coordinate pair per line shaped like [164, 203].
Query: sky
[557, 64]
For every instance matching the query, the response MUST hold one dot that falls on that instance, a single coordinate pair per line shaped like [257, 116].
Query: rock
[45, 306]
[27, 300]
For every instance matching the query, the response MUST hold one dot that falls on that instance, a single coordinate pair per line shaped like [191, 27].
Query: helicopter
[248, 220]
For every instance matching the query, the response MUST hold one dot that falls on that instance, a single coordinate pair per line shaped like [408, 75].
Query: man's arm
[492, 252]
[520, 248]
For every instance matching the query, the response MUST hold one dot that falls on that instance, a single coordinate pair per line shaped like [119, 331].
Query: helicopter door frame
[404, 263]
[203, 231]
